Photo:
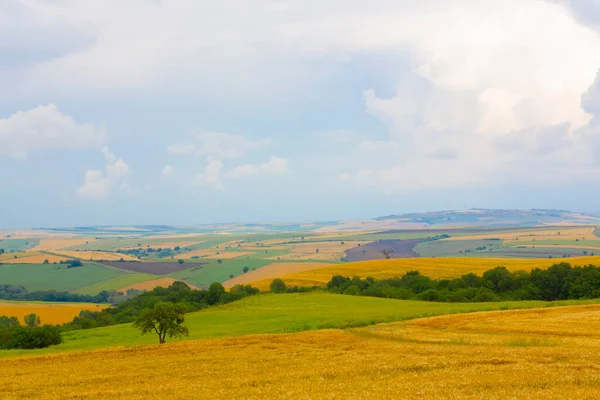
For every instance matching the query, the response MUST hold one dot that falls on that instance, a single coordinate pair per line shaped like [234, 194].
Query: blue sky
[189, 112]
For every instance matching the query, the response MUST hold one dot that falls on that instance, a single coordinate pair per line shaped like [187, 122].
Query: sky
[195, 111]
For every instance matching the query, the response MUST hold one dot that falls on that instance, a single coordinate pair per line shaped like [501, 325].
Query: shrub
[34, 338]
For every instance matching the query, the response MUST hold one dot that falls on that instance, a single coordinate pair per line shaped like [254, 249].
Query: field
[115, 283]
[152, 267]
[432, 267]
[96, 255]
[149, 285]
[49, 244]
[58, 277]
[31, 257]
[49, 313]
[273, 271]
[549, 353]
[277, 314]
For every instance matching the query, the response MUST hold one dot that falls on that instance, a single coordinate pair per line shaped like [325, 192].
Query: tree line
[559, 282]
[31, 335]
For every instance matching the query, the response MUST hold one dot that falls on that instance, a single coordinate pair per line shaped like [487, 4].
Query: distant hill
[493, 217]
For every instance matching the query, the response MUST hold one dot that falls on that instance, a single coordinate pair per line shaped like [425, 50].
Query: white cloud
[211, 176]
[275, 166]
[219, 145]
[337, 136]
[98, 184]
[45, 127]
[168, 171]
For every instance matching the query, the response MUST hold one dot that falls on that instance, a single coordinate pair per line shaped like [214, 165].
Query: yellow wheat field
[30, 257]
[60, 243]
[96, 255]
[534, 354]
[151, 284]
[433, 267]
[267, 273]
[556, 233]
[50, 313]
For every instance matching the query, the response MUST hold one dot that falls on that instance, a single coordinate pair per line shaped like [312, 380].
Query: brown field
[534, 354]
[30, 257]
[50, 313]
[267, 273]
[96, 255]
[213, 254]
[433, 267]
[567, 233]
[60, 243]
[149, 285]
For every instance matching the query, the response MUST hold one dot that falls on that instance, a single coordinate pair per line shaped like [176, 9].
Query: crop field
[115, 283]
[96, 255]
[49, 313]
[49, 244]
[287, 313]
[273, 271]
[432, 267]
[18, 244]
[31, 257]
[549, 353]
[57, 277]
[152, 267]
[214, 254]
[149, 285]
[562, 233]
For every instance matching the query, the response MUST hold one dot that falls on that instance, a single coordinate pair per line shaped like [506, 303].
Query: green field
[55, 276]
[11, 245]
[215, 272]
[116, 283]
[276, 313]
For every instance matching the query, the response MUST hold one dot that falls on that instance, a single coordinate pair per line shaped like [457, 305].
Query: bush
[352, 290]
[278, 286]
[34, 338]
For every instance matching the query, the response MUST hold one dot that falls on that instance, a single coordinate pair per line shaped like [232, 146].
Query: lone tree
[278, 286]
[246, 269]
[387, 253]
[32, 320]
[164, 319]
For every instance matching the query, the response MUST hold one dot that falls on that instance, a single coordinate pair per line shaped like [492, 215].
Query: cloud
[337, 136]
[219, 145]
[45, 127]
[98, 184]
[168, 171]
[211, 176]
[275, 166]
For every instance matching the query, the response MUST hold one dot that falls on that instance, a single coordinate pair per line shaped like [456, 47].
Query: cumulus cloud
[211, 176]
[168, 171]
[219, 145]
[275, 166]
[98, 184]
[45, 127]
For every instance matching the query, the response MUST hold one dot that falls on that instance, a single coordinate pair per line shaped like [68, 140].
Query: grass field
[432, 267]
[58, 277]
[49, 313]
[115, 283]
[149, 285]
[286, 313]
[18, 244]
[49, 244]
[215, 272]
[549, 353]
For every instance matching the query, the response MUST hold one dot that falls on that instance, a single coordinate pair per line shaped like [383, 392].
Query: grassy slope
[54, 276]
[215, 272]
[280, 314]
[18, 244]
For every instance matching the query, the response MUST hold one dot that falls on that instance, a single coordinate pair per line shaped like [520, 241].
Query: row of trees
[13, 335]
[559, 282]
[14, 292]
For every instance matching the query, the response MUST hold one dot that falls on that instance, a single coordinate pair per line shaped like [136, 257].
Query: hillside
[508, 354]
